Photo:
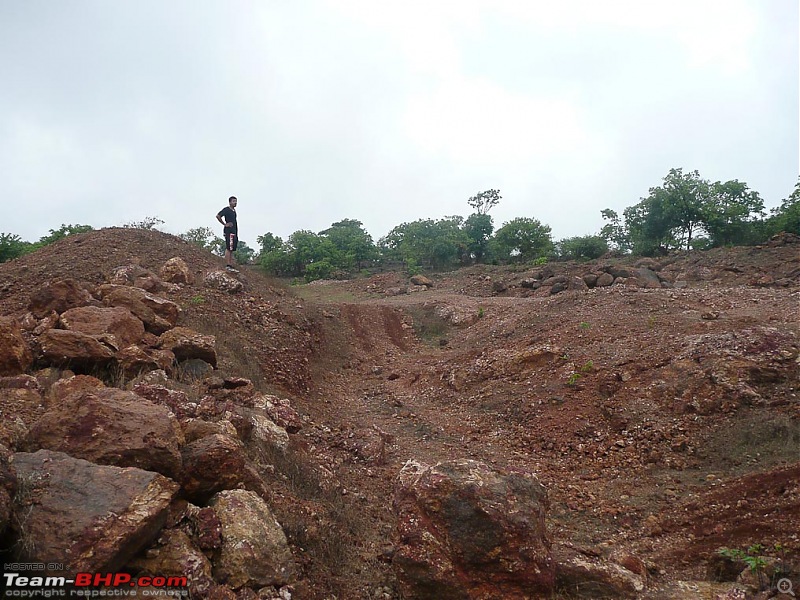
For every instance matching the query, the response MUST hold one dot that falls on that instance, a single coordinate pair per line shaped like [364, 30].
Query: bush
[586, 247]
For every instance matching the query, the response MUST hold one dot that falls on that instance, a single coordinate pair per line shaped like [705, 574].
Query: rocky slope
[567, 430]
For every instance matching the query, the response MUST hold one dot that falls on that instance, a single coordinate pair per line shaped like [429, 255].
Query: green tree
[523, 239]
[614, 232]
[483, 202]
[585, 247]
[353, 244]
[203, 237]
[786, 217]
[12, 246]
[435, 243]
[479, 228]
[60, 233]
[243, 253]
[732, 214]
[268, 243]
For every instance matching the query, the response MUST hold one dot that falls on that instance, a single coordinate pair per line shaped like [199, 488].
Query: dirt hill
[663, 418]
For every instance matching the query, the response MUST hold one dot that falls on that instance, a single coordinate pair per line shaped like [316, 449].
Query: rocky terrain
[570, 430]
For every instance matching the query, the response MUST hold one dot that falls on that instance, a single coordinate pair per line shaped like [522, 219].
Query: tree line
[684, 212]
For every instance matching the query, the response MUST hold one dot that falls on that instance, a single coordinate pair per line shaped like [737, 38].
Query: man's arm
[221, 220]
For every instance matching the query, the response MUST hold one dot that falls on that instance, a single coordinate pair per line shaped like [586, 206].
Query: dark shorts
[231, 241]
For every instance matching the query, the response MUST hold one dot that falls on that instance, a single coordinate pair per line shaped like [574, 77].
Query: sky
[314, 111]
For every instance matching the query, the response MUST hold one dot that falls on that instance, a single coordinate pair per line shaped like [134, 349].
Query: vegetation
[684, 212]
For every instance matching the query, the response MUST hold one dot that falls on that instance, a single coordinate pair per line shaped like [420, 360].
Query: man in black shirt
[230, 231]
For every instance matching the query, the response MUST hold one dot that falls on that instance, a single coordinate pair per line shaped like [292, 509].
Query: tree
[438, 244]
[614, 232]
[732, 213]
[12, 246]
[483, 202]
[586, 247]
[786, 217]
[523, 239]
[201, 236]
[61, 233]
[148, 223]
[479, 228]
[268, 243]
[354, 245]
[243, 253]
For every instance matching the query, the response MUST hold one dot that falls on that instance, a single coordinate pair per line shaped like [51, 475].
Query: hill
[653, 401]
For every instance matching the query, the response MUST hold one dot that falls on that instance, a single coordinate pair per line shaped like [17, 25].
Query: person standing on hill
[230, 231]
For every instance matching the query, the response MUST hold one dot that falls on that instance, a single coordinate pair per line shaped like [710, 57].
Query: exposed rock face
[254, 550]
[187, 344]
[15, 355]
[85, 516]
[71, 348]
[134, 360]
[59, 296]
[93, 320]
[466, 531]
[71, 385]
[175, 270]
[112, 427]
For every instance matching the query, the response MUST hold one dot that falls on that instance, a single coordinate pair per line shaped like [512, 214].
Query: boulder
[176, 401]
[74, 349]
[96, 321]
[133, 360]
[254, 550]
[158, 314]
[15, 355]
[187, 344]
[84, 516]
[21, 405]
[174, 555]
[223, 281]
[648, 278]
[605, 280]
[8, 488]
[71, 385]
[112, 427]
[136, 276]
[280, 411]
[467, 531]
[421, 280]
[59, 296]
[175, 270]
[595, 577]
[210, 464]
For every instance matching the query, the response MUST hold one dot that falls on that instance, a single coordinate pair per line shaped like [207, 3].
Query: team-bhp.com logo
[91, 585]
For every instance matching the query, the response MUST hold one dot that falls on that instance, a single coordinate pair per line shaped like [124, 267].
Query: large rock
[96, 321]
[59, 296]
[176, 556]
[112, 427]
[63, 348]
[595, 577]
[467, 531]
[158, 314]
[8, 487]
[222, 281]
[175, 270]
[210, 464]
[254, 550]
[84, 516]
[15, 355]
[133, 360]
[187, 344]
[21, 405]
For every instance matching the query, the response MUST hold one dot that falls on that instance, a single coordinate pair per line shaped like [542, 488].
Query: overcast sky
[313, 111]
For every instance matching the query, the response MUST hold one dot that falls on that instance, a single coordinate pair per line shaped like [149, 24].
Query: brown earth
[663, 422]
